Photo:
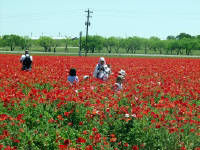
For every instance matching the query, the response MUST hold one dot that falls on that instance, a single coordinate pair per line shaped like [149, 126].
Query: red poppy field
[158, 109]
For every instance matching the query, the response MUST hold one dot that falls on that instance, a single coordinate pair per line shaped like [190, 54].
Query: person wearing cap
[101, 70]
[26, 61]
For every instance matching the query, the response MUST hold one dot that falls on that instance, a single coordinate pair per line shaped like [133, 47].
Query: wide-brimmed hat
[102, 59]
[122, 72]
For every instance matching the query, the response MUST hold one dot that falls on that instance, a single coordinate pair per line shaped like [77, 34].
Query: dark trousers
[26, 68]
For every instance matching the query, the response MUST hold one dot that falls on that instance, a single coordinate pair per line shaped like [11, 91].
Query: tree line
[181, 44]
[49, 44]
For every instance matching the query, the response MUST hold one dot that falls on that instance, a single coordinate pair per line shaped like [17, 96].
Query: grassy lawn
[76, 50]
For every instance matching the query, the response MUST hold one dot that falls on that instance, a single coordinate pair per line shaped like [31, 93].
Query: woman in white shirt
[101, 70]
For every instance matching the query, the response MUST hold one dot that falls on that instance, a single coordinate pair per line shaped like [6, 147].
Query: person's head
[102, 60]
[72, 72]
[26, 51]
[108, 65]
[122, 73]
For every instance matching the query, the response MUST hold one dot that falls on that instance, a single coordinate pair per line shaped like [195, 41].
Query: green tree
[170, 45]
[109, 44]
[74, 42]
[113, 43]
[1, 42]
[94, 43]
[67, 41]
[132, 44]
[154, 43]
[145, 44]
[11, 40]
[118, 43]
[179, 46]
[46, 42]
[25, 42]
[171, 37]
[55, 44]
[136, 44]
[189, 45]
[183, 35]
[127, 44]
[198, 37]
[160, 46]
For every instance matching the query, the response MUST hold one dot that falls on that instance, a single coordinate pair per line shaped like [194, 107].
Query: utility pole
[87, 23]
[80, 43]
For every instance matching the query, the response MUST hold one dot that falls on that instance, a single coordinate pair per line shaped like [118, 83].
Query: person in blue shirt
[72, 78]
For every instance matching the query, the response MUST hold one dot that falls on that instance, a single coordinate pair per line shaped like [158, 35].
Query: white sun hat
[122, 72]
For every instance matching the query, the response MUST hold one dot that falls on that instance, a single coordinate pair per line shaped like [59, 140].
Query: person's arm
[31, 58]
[22, 58]
[107, 70]
[77, 80]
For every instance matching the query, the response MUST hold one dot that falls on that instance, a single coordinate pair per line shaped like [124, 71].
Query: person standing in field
[26, 61]
[101, 71]
[72, 78]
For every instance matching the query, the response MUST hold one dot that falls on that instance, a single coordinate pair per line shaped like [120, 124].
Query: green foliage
[1, 42]
[180, 44]
[183, 35]
[154, 43]
[171, 37]
[25, 43]
[94, 43]
[132, 44]
[44, 124]
[43, 86]
[109, 43]
[46, 42]
[55, 44]
[189, 44]
[113, 43]
[145, 44]
[11, 40]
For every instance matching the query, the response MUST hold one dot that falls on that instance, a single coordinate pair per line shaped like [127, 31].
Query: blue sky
[121, 18]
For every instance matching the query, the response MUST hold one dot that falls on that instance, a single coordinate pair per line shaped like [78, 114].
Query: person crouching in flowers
[72, 78]
[102, 71]
[118, 85]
